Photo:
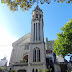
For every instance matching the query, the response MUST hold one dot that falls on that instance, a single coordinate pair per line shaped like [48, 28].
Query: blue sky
[17, 24]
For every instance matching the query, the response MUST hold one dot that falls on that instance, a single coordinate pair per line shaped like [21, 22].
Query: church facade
[29, 53]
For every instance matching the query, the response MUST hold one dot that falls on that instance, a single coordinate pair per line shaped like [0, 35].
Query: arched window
[34, 31]
[39, 55]
[33, 70]
[36, 15]
[36, 70]
[27, 47]
[36, 55]
[39, 31]
[40, 15]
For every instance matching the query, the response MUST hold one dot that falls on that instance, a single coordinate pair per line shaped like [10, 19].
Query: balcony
[20, 64]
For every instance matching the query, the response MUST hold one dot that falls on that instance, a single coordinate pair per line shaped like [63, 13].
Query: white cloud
[6, 41]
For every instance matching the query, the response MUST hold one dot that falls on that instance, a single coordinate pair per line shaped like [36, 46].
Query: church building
[29, 53]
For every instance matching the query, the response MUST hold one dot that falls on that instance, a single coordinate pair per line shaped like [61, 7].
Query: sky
[14, 25]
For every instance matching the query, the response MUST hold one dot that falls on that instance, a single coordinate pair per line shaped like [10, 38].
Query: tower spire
[37, 25]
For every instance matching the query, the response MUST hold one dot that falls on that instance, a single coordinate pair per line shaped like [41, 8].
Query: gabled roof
[22, 38]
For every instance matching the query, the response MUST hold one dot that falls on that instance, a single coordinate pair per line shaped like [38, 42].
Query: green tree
[2, 69]
[26, 4]
[63, 43]
[46, 70]
[50, 69]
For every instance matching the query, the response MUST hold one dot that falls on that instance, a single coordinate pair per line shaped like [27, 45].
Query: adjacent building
[3, 62]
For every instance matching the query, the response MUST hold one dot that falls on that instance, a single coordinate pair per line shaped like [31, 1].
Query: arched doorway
[21, 70]
[26, 58]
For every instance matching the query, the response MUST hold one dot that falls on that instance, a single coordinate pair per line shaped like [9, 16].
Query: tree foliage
[12, 70]
[63, 44]
[46, 70]
[23, 60]
[40, 70]
[2, 69]
[27, 4]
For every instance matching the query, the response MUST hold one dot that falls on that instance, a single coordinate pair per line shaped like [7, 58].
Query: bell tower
[36, 58]
[37, 25]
